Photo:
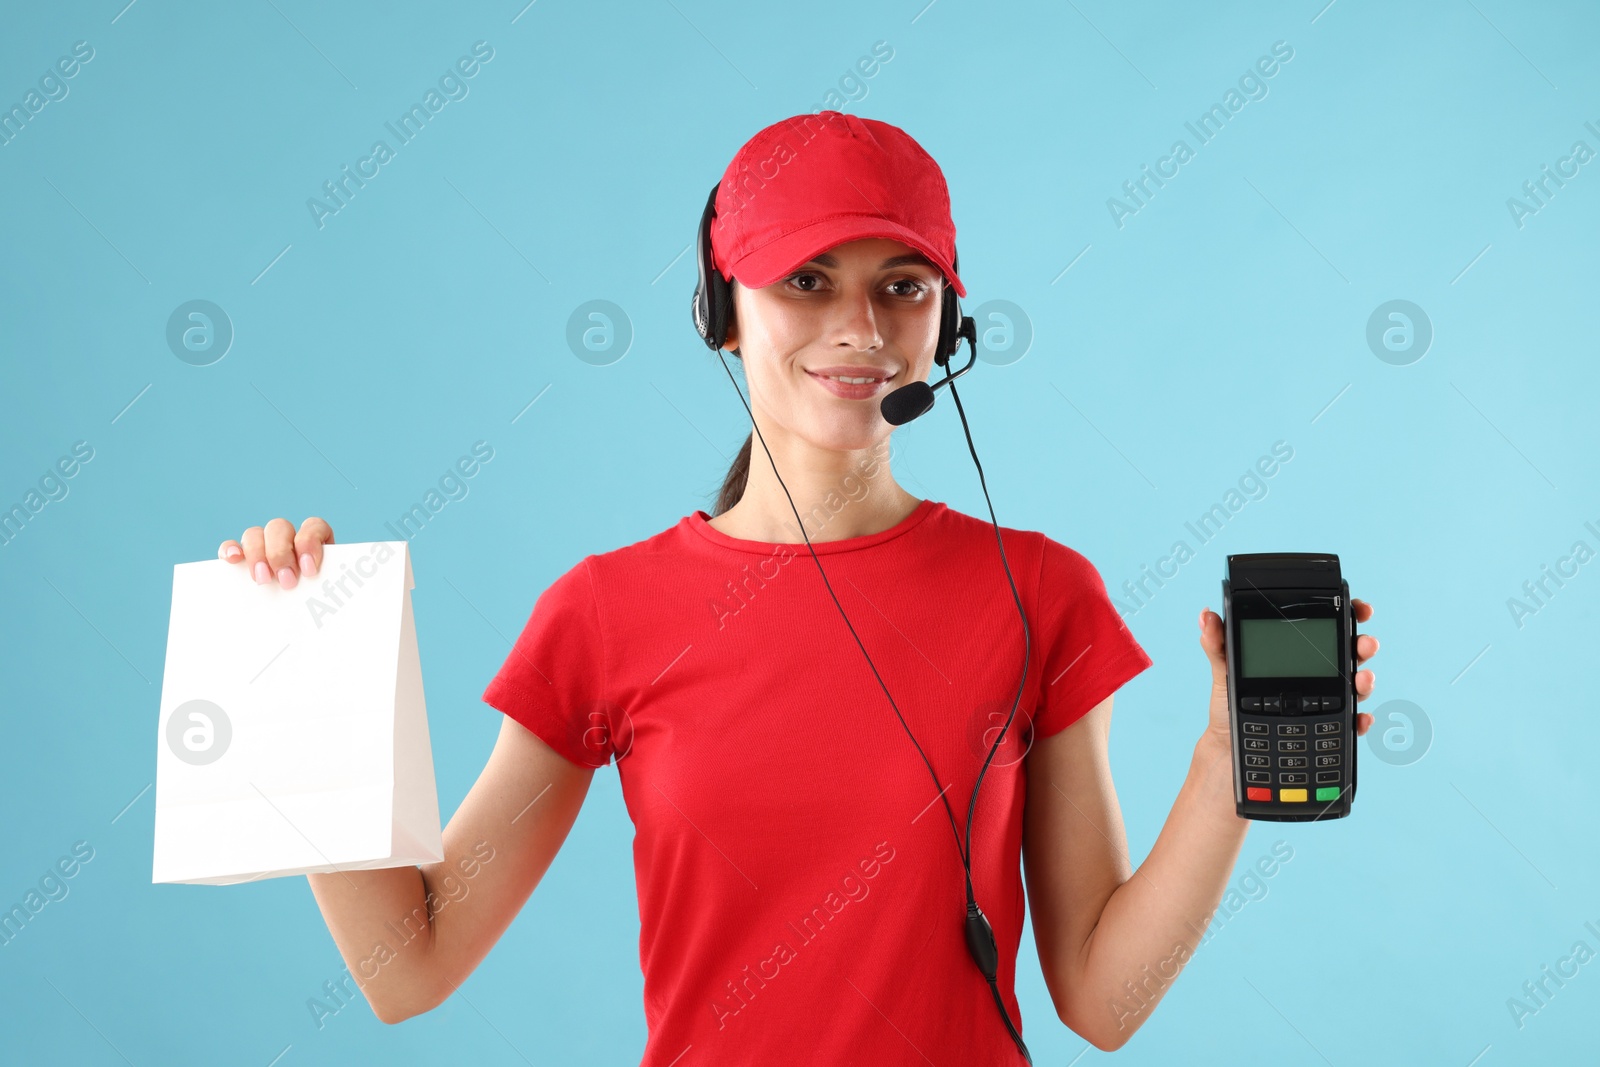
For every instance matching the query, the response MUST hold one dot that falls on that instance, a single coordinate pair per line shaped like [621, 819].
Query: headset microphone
[909, 401]
[711, 307]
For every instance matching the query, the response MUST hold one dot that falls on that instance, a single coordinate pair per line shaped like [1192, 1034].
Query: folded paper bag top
[293, 732]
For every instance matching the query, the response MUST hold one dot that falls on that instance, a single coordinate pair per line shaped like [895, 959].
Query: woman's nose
[858, 322]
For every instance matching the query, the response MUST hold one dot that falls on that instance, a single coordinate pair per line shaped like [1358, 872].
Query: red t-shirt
[800, 892]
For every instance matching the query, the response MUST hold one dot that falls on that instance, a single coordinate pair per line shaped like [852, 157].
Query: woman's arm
[1112, 940]
[1097, 923]
[410, 935]
[497, 847]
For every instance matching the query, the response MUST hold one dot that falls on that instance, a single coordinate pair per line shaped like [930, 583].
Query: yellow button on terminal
[1291, 794]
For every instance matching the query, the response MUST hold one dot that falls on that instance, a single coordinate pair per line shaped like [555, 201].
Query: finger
[255, 554]
[231, 551]
[1364, 722]
[1366, 647]
[314, 533]
[1365, 681]
[1362, 610]
[280, 552]
[1212, 636]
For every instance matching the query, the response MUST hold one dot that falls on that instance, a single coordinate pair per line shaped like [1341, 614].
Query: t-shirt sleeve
[1086, 651]
[553, 681]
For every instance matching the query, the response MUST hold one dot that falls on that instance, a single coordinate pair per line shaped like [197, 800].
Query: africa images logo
[453, 87]
[853, 888]
[1205, 128]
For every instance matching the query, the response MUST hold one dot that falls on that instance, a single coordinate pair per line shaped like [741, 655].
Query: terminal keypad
[1281, 752]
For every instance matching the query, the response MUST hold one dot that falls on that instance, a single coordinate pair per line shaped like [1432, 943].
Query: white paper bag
[293, 733]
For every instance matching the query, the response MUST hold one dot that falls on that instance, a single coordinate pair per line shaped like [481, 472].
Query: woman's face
[869, 306]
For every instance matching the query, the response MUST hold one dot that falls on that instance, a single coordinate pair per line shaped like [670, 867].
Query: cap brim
[782, 256]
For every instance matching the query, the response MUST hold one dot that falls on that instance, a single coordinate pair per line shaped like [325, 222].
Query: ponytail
[738, 474]
[734, 482]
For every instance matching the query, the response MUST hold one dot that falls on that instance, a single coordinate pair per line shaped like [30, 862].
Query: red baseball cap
[808, 183]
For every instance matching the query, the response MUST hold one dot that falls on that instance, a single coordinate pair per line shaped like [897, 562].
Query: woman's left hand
[1212, 638]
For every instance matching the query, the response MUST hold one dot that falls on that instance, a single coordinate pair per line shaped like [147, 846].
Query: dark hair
[733, 482]
[738, 474]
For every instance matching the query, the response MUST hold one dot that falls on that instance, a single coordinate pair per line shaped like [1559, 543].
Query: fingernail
[308, 566]
[286, 578]
[263, 573]
[234, 555]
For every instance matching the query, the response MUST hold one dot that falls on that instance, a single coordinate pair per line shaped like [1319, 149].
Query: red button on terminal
[1258, 794]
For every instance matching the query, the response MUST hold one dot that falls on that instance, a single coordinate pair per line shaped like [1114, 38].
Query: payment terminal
[1291, 651]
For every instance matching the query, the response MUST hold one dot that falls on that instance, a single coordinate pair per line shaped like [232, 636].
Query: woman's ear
[730, 339]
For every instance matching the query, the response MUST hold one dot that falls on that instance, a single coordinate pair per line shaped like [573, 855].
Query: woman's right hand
[278, 551]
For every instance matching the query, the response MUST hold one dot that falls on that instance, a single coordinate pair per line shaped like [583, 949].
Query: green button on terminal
[1328, 792]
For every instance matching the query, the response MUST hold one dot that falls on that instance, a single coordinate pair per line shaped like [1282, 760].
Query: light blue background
[1228, 314]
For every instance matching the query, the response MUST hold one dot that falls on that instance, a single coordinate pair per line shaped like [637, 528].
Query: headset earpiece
[949, 320]
[953, 326]
[712, 294]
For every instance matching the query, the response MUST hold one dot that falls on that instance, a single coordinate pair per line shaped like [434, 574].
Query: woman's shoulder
[1052, 556]
[635, 560]
[958, 523]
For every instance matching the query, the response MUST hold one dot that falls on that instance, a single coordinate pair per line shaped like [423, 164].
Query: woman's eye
[810, 282]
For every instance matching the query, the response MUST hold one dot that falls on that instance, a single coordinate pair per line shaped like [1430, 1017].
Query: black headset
[713, 298]
[710, 308]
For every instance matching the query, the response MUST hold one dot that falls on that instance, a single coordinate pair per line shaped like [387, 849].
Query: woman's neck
[839, 495]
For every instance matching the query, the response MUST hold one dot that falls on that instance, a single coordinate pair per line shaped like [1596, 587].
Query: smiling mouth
[851, 379]
[853, 386]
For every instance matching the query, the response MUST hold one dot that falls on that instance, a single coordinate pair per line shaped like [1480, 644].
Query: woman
[799, 897]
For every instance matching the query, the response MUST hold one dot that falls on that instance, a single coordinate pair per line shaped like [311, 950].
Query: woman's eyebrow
[910, 259]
